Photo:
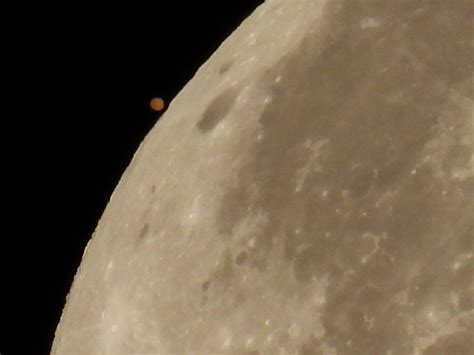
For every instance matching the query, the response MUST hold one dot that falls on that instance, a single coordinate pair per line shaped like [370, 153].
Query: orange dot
[157, 104]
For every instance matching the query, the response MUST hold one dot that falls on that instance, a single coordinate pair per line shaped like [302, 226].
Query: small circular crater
[217, 110]
[241, 258]
[205, 285]
[225, 67]
[144, 230]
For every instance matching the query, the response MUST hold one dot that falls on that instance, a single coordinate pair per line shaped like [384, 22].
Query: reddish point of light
[157, 104]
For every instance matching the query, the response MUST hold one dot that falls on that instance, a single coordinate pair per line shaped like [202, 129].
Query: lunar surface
[309, 191]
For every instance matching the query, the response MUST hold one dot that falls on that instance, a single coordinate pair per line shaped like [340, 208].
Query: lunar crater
[218, 110]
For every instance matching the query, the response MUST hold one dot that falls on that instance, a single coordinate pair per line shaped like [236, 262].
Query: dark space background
[82, 78]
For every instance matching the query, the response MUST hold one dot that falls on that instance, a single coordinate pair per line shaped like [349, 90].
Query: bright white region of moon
[309, 191]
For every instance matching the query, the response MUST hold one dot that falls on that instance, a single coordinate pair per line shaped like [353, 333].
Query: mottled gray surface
[310, 191]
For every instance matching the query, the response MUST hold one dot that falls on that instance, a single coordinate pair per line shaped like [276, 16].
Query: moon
[309, 191]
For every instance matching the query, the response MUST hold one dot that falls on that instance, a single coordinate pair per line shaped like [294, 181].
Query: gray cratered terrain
[310, 191]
